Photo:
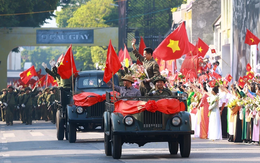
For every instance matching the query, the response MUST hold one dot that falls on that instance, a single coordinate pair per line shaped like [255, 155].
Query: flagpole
[113, 88]
[72, 78]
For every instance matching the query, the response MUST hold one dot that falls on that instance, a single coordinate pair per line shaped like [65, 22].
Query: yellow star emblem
[61, 63]
[29, 73]
[252, 40]
[156, 59]
[54, 81]
[40, 82]
[200, 49]
[174, 45]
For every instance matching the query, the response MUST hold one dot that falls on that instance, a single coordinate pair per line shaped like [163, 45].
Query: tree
[20, 7]
[39, 55]
[83, 58]
[99, 54]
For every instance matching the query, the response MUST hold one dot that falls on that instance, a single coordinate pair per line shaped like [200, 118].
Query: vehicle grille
[97, 110]
[152, 120]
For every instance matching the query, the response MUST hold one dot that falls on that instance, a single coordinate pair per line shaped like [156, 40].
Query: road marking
[36, 134]
[9, 135]
[6, 155]
[4, 148]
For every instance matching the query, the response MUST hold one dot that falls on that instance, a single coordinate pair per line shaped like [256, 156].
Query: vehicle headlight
[80, 110]
[129, 120]
[176, 121]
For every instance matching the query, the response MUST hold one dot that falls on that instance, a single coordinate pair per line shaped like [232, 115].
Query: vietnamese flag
[112, 63]
[201, 48]
[191, 47]
[241, 82]
[41, 81]
[50, 80]
[141, 50]
[228, 78]
[213, 51]
[248, 67]
[60, 58]
[250, 75]
[120, 54]
[251, 39]
[125, 57]
[67, 65]
[28, 74]
[174, 45]
[212, 83]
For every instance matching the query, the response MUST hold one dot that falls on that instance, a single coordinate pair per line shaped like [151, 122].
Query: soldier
[42, 102]
[20, 100]
[150, 66]
[11, 105]
[51, 104]
[159, 89]
[27, 104]
[38, 108]
[3, 106]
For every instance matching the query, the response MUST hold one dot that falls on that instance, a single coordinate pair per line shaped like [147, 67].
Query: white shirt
[222, 99]
[218, 71]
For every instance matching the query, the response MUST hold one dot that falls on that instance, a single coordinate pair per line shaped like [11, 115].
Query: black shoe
[7, 124]
[11, 123]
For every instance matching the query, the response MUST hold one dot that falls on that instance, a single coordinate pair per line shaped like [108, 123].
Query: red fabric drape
[166, 106]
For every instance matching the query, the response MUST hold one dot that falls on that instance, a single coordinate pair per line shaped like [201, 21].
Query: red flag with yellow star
[248, 67]
[250, 75]
[174, 45]
[41, 81]
[28, 74]
[201, 48]
[228, 78]
[50, 80]
[251, 39]
[67, 65]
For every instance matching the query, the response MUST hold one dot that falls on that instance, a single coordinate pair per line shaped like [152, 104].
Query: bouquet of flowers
[233, 103]
[137, 72]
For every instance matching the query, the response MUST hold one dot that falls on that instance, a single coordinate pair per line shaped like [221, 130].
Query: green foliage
[26, 6]
[83, 58]
[99, 54]
[91, 14]
[39, 55]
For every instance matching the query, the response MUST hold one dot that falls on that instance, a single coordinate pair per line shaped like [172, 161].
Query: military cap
[10, 87]
[22, 90]
[128, 78]
[27, 88]
[159, 78]
[4, 89]
[46, 89]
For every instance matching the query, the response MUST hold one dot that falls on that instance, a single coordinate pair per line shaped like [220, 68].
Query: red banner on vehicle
[166, 106]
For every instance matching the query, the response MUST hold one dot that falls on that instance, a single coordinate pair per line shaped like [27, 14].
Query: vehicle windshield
[91, 82]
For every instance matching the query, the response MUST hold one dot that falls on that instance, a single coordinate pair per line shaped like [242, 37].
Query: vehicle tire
[71, 133]
[59, 126]
[173, 147]
[116, 146]
[107, 144]
[185, 145]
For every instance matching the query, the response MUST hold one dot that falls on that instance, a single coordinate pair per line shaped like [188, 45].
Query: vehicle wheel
[59, 126]
[116, 146]
[173, 147]
[185, 146]
[107, 144]
[71, 133]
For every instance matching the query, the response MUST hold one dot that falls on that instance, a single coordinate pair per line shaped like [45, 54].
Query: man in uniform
[11, 105]
[159, 89]
[38, 109]
[127, 89]
[27, 104]
[42, 102]
[20, 100]
[150, 66]
[51, 104]
[3, 102]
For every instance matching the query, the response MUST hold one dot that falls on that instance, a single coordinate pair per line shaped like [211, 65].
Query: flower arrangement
[137, 72]
[233, 103]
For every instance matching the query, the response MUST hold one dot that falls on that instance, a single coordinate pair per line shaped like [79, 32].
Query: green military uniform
[3, 108]
[51, 105]
[42, 101]
[11, 106]
[27, 104]
[38, 108]
[160, 92]
[34, 107]
[20, 100]
[152, 69]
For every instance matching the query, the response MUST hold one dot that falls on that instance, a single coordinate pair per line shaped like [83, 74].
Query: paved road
[37, 143]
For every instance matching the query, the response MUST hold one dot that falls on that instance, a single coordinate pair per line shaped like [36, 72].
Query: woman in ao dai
[214, 131]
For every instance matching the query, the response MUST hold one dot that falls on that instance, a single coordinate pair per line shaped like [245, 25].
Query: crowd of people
[26, 104]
